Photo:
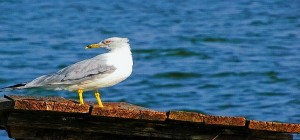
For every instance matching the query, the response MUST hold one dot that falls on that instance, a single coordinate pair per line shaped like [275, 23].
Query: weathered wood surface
[25, 117]
[57, 104]
[128, 111]
[206, 119]
[274, 126]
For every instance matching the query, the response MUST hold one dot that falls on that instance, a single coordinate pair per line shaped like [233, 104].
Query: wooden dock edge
[27, 117]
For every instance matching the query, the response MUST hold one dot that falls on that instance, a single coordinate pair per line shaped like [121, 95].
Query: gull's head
[110, 43]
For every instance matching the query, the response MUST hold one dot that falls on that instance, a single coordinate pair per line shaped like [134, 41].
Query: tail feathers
[17, 86]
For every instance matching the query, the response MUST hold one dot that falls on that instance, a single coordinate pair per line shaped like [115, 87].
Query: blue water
[238, 58]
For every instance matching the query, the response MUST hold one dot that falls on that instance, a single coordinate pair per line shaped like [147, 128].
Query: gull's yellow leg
[80, 91]
[97, 95]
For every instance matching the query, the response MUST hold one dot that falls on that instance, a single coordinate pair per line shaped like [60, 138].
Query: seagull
[101, 71]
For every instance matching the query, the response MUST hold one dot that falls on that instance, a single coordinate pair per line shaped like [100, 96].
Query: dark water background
[238, 58]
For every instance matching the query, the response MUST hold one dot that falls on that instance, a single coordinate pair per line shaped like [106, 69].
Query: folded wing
[86, 70]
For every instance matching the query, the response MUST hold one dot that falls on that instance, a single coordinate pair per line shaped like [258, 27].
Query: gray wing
[82, 71]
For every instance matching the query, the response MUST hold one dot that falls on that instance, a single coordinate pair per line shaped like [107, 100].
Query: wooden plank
[186, 116]
[206, 119]
[91, 124]
[36, 120]
[41, 134]
[274, 126]
[54, 104]
[114, 126]
[224, 121]
[262, 135]
[52, 134]
[128, 111]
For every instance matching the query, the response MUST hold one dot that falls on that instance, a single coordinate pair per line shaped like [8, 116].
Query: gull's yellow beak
[94, 46]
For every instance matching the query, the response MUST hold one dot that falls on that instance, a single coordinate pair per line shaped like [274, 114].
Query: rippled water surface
[236, 58]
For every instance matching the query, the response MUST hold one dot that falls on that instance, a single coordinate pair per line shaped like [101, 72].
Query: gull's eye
[107, 41]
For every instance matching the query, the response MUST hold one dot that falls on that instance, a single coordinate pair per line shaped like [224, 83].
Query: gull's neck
[120, 56]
